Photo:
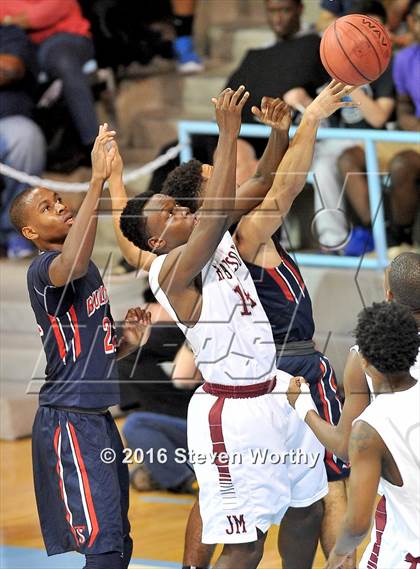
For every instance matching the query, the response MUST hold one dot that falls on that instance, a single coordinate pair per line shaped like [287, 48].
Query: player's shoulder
[41, 262]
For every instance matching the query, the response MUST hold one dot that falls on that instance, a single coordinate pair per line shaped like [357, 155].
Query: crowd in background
[49, 53]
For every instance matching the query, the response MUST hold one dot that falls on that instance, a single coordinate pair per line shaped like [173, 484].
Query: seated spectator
[330, 11]
[187, 59]
[405, 167]
[159, 405]
[63, 45]
[22, 144]
[376, 104]
[293, 61]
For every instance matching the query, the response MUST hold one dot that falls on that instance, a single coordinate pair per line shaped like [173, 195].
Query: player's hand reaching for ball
[274, 113]
[330, 100]
[228, 108]
[136, 324]
[103, 153]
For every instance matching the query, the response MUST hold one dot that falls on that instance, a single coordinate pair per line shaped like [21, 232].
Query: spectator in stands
[330, 11]
[188, 60]
[64, 45]
[396, 11]
[405, 167]
[292, 62]
[376, 104]
[159, 403]
[22, 144]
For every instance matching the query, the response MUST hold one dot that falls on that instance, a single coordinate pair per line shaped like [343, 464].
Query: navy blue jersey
[78, 334]
[285, 299]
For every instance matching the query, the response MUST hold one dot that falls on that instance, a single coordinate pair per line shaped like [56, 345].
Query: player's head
[156, 222]
[402, 281]
[41, 216]
[413, 19]
[371, 8]
[388, 339]
[284, 16]
[187, 183]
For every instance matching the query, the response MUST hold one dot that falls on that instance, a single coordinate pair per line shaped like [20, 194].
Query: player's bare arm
[76, 251]
[275, 114]
[136, 331]
[366, 452]
[255, 229]
[132, 254]
[356, 390]
[184, 263]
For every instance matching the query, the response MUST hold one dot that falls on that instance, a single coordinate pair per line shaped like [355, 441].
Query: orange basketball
[355, 49]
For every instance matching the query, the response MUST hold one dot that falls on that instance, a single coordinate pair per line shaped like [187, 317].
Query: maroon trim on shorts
[380, 523]
[227, 489]
[240, 391]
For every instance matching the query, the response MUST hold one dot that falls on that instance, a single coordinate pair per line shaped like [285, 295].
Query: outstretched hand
[330, 100]
[228, 107]
[274, 113]
[103, 153]
[135, 325]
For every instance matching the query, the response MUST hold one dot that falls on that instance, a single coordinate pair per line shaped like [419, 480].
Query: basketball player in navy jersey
[82, 498]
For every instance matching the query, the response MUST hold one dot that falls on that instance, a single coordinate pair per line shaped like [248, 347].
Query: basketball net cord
[36, 181]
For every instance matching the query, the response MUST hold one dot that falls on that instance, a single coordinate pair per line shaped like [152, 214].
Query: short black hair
[133, 223]
[404, 280]
[387, 336]
[368, 7]
[184, 184]
[18, 209]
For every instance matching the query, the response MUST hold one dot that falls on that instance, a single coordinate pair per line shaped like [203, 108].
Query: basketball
[355, 49]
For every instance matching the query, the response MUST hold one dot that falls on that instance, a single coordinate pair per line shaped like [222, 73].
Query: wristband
[304, 402]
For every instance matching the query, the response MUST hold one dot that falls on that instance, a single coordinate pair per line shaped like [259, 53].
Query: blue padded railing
[368, 137]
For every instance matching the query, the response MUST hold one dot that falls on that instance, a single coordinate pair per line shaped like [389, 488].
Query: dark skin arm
[73, 261]
[366, 451]
[274, 113]
[256, 229]
[336, 438]
[183, 264]
[407, 120]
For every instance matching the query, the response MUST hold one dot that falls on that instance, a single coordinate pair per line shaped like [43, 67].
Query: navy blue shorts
[82, 501]
[318, 372]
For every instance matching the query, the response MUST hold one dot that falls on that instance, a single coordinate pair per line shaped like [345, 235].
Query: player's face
[49, 218]
[168, 223]
[283, 17]
[414, 22]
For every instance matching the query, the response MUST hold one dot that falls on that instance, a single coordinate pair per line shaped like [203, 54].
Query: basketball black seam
[333, 70]
[347, 57]
[373, 47]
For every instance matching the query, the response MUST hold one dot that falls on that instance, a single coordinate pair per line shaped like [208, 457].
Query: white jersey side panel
[232, 341]
[396, 418]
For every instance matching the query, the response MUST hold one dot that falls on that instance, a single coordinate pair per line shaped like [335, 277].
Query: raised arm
[256, 228]
[356, 391]
[132, 254]
[73, 262]
[366, 454]
[274, 113]
[184, 263]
